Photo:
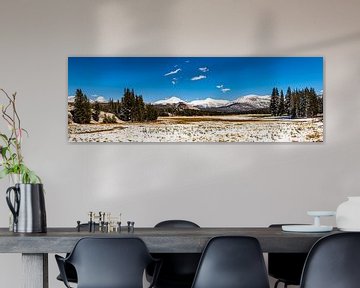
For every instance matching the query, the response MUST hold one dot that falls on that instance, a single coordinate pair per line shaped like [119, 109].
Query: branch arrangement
[12, 161]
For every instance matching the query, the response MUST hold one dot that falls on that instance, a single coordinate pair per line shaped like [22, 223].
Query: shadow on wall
[145, 26]
[323, 44]
[266, 33]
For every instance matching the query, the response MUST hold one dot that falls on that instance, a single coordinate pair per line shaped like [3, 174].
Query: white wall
[212, 184]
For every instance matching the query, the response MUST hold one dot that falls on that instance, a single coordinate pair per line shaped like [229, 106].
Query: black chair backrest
[232, 262]
[110, 262]
[176, 224]
[333, 262]
[69, 269]
[178, 269]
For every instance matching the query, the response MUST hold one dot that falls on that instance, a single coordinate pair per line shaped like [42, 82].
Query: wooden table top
[158, 240]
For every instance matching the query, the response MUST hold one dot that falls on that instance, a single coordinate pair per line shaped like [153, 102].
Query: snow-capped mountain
[246, 103]
[93, 99]
[171, 100]
[243, 103]
[257, 101]
[99, 99]
[209, 103]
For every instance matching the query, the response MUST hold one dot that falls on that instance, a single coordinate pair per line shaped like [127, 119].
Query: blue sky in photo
[192, 78]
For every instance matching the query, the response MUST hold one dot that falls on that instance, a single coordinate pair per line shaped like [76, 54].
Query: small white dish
[321, 213]
[306, 228]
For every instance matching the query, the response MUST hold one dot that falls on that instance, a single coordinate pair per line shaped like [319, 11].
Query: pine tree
[281, 104]
[132, 108]
[287, 101]
[151, 113]
[277, 101]
[274, 102]
[294, 104]
[96, 113]
[302, 104]
[139, 109]
[82, 108]
[127, 105]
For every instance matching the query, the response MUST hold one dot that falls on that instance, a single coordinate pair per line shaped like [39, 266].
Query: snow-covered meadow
[237, 128]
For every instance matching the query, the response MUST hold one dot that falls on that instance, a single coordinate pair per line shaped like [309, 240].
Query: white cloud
[222, 88]
[204, 69]
[174, 80]
[198, 77]
[173, 72]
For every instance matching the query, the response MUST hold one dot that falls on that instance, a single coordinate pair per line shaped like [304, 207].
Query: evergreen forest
[131, 108]
[304, 103]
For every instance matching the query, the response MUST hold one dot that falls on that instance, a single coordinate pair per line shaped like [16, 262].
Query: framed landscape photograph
[195, 99]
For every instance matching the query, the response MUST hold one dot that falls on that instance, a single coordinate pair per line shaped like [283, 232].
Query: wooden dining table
[35, 247]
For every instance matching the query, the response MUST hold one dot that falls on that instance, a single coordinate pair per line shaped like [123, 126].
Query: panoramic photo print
[195, 99]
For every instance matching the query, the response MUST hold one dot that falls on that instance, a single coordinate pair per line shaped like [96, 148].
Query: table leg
[35, 270]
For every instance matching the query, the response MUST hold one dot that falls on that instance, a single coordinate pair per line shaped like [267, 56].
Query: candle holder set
[104, 222]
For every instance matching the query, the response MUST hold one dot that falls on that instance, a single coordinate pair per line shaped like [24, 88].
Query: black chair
[108, 263]
[286, 267]
[178, 269]
[232, 262]
[69, 269]
[176, 224]
[333, 262]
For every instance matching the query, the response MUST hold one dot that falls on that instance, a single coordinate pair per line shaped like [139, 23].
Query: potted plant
[26, 197]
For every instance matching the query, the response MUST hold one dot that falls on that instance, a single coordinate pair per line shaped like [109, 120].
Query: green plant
[109, 119]
[12, 161]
